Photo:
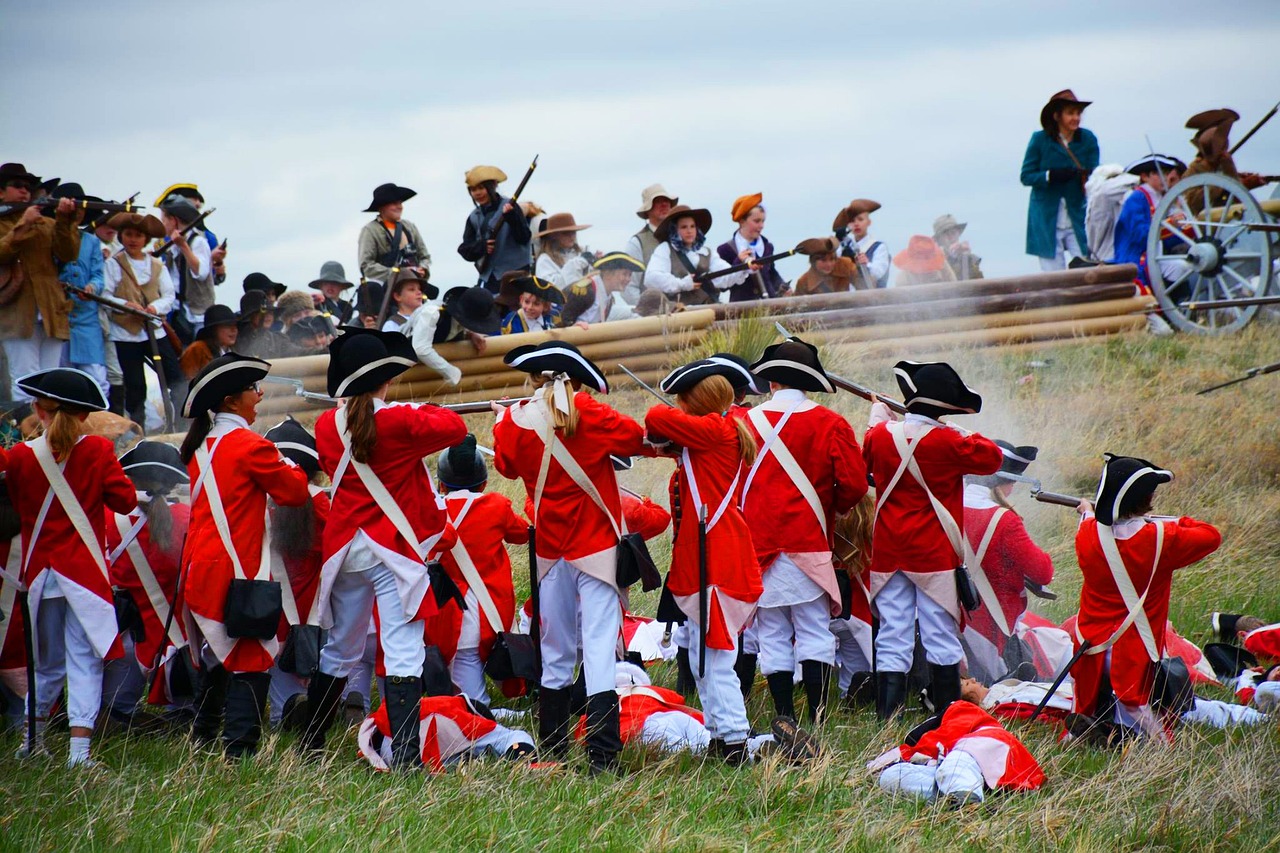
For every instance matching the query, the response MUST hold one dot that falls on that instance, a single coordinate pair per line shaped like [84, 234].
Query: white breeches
[352, 600]
[574, 604]
[901, 605]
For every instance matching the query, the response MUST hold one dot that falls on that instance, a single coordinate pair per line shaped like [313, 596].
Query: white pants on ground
[497, 742]
[284, 686]
[352, 600]
[575, 604]
[720, 693]
[123, 681]
[468, 674]
[360, 679]
[957, 775]
[1220, 715]
[853, 645]
[1064, 241]
[66, 653]
[793, 633]
[674, 731]
[27, 355]
[901, 604]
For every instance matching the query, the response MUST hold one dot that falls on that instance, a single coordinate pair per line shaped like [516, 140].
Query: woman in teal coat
[1058, 161]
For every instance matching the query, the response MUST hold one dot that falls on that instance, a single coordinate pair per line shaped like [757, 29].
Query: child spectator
[851, 227]
[560, 259]
[828, 272]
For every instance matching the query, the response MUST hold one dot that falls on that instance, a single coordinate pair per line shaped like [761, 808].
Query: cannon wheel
[1216, 257]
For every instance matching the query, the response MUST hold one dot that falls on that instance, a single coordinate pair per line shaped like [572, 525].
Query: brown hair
[361, 425]
[567, 422]
[159, 518]
[65, 428]
[853, 536]
[715, 394]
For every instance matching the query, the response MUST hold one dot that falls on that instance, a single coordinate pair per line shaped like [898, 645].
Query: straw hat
[946, 222]
[651, 193]
[477, 176]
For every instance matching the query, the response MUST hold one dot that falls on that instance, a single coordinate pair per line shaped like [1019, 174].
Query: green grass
[1210, 791]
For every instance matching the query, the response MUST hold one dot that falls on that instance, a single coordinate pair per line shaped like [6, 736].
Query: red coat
[643, 516]
[98, 483]
[908, 537]
[13, 650]
[449, 726]
[1102, 609]
[570, 525]
[826, 449]
[1264, 642]
[304, 572]
[733, 573]
[636, 707]
[248, 469]
[164, 568]
[1005, 762]
[1011, 557]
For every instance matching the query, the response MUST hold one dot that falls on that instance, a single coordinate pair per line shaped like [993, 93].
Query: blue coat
[1043, 154]
[87, 341]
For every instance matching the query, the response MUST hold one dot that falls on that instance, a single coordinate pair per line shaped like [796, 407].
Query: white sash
[209, 480]
[907, 450]
[150, 585]
[1137, 616]
[773, 442]
[697, 497]
[127, 535]
[985, 591]
[554, 448]
[75, 513]
[472, 575]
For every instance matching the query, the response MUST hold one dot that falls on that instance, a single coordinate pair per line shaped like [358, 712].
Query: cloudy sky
[287, 115]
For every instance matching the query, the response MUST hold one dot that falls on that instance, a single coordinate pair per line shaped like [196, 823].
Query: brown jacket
[843, 277]
[195, 357]
[35, 247]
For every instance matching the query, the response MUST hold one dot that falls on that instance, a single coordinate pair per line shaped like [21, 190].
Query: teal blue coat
[1045, 153]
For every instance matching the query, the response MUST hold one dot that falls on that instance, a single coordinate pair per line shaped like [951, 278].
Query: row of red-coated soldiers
[766, 483]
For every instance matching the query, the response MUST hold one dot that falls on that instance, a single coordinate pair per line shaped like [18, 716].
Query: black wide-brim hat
[512, 286]
[555, 357]
[17, 172]
[70, 190]
[225, 376]
[1121, 476]
[1016, 458]
[473, 309]
[462, 466]
[793, 363]
[934, 388]
[369, 298]
[1228, 660]
[259, 281]
[295, 444]
[388, 194]
[65, 385]
[214, 316]
[253, 302]
[687, 376]
[154, 461]
[363, 360]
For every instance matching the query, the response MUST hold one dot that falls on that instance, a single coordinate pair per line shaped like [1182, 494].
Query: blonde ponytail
[566, 422]
[716, 394]
[65, 428]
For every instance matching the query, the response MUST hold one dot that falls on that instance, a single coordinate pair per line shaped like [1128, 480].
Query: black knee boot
[861, 692]
[553, 722]
[945, 685]
[246, 703]
[685, 685]
[891, 693]
[324, 693]
[782, 687]
[745, 667]
[404, 712]
[604, 741]
[209, 702]
[816, 676]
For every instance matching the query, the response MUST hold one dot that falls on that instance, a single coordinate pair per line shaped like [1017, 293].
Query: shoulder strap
[907, 452]
[554, 448]
[62, 489]
[1137, 616]
[371, 481]
[985, 591]
[773, 442]
[127, 535]
[472, 575]
[146, 575]
[204, 463]
[697, 496]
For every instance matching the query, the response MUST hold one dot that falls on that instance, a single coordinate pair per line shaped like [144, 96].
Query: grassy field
[1210, 791]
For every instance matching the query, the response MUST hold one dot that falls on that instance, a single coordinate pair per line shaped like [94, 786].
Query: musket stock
[186, 232]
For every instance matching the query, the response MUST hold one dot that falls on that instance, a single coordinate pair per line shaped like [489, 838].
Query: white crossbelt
[472, 575]
[1137, 616]
[59, 486]
[150, 585]
[696, 495]
[773, 443]
[207, 481]
[974, 561]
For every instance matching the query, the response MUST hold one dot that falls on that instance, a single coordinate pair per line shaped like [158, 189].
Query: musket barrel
[1056, 499]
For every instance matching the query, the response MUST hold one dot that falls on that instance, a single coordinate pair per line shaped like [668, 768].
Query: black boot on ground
[861, 692]
[782, 689]
[745, 667]
[246, 704]
[404, 712]
[735, 754]
[211, 698]
[553, 722]
[604, 740]
[816, 677]
[685, 685]
[891, 693]
[945, 681]
[324, 694]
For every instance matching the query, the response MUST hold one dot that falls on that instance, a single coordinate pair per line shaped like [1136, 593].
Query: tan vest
[130, 291]
[648, 243]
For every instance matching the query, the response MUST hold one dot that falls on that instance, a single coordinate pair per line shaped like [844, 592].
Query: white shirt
[606, 306]
[163, 303]
[660, 275]
[574, 269]
[421, 331]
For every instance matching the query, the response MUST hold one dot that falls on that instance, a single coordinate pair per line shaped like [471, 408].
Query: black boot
[323, 697]
[209, 702]
[945, 681]
[604, 741]
[745, 667]
[115, 400]
[782, 689]
[816, 676]
[861, 692]
[685, 685]
[553, 722]
[404, 711]
[246, 703]
[735, 754]
[891, 693]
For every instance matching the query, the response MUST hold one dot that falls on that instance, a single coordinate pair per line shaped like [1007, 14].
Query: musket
[744, 265]
[195, 223]
[482, 265]
[1085, 645]
[385, 308]
[80, 204]
[93, 223]
[1266, 118]
[535, 600]
[150, 321]
[853, 387]
[471, 408]
[646, 386]
[168, 622]
[1248, 374]
[1213, 304]
[702, 591]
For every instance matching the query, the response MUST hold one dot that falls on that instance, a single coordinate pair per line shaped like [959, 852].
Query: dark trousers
[133, 357]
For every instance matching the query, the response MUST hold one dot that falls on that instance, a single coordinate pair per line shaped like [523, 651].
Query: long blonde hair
[715, 394]
[566, 422]
[65, 428]
[853, 536]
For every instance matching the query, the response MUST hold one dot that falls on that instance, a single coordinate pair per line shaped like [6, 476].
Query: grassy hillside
[1210, 791]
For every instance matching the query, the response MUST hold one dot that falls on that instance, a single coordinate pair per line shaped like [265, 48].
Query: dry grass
[1211, 791]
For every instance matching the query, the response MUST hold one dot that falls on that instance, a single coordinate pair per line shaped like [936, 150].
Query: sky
[288, 115]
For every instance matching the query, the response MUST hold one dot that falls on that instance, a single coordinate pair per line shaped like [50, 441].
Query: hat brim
[83, 393]
[398, 195]
[487, 325]
[557, 357]
[563, 229]
[221, 378]
[1120, 476]
[643, 212]
[700, 215]
[774, 366]
[1055, 104]
[154, 469]
[370, 376]
[316, 285]
[966, 402]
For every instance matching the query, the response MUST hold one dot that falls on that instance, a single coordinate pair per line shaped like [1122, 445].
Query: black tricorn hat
[743, 379]
[462, 466]
[1224, 625]
[1014, 460]
[223, 377]
[793, 363]
[934, 388]
[513, 285]
[1228, 660]
[685, 377]
[66, 385]
[557, 357]
[214, 316]
[388, 194]
[473, 309]
[253, 302]
[363, 360]
[259, 281]
[154, 461]
[1125, 480]
[295, 444]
